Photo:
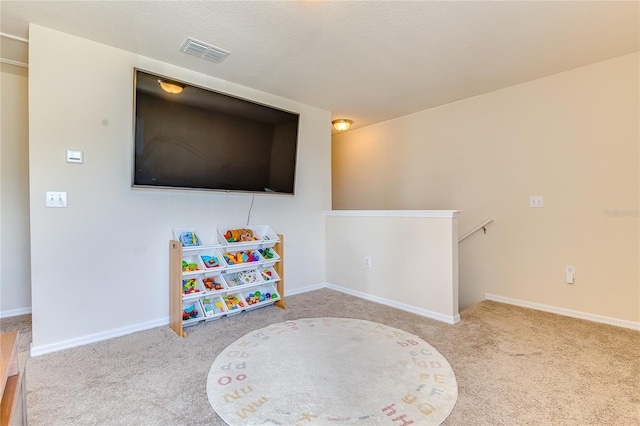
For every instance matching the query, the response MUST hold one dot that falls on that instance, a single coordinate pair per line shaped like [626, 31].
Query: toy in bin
[189, 313]
[190, 286]
[189, 267]
[258, 297]
[210, 261]
[189, 239]
[266, 275]
[211, 308]
[240, 235]
[267, 253]
[211, 284]
[233, 302]
[241, 257]
[248, 276]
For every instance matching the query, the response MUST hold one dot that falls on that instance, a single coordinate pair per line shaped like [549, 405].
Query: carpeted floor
[514, 366]
[22, 324]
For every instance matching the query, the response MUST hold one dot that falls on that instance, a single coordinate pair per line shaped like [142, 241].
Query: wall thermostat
[74, 156]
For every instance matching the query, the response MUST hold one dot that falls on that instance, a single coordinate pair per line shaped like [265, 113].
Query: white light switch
[536, 201]
[55, 199]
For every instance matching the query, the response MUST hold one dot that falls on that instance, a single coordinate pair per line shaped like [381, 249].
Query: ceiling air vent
[204, 50]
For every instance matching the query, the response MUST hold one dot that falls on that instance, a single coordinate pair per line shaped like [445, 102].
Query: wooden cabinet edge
[175, 293]
[279, 268]
[12, 404]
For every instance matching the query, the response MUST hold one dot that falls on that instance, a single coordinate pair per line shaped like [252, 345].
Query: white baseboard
[314, 287]
[15, 312]
[402, 306]
[93, 338]
[566, 312]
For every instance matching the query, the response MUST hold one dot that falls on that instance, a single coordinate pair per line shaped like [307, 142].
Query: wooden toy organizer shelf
[177, 253]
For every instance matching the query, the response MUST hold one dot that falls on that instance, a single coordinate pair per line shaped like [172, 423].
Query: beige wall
[15, 272]
[571, 137]
[100, 266]
[414, 259]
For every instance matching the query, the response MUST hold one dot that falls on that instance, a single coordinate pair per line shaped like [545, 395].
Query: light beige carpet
[513, 366]
[331, 371]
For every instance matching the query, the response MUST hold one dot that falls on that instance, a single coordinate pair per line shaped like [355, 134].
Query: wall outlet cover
[536, 201]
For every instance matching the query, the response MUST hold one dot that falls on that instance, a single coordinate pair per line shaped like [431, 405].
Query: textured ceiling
[368, 61]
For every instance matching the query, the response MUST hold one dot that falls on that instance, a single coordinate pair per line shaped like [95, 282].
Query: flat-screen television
[207, 140]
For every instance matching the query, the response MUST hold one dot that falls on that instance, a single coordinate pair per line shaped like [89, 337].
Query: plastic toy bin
[253, 239]
[247, 277]
[266, 234]
[192, 287]
[270, 256]
[192, 312]
[212, 259]
[214, 283]
[269, 274]
[213, 306]
[260, 296]
[192, 265]
[242, 258]
[187, 242]
[234, 303]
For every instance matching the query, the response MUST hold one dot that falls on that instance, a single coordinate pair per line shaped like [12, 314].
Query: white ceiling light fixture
[204, 50]
[171, 86]
[342, 124]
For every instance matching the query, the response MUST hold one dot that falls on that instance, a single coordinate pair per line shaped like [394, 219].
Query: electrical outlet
[536, 201]
[367, 262]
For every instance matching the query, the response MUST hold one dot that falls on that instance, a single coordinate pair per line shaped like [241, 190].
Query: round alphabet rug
[331, 371]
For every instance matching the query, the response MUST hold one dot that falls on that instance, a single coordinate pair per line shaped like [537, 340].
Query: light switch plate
[55, 199]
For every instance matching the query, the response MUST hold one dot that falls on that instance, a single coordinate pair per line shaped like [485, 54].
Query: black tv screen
[203, 139]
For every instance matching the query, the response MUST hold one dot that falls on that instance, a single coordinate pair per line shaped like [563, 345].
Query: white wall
[571, 137]
[100, 267]
[15, 269]
[414, 259]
